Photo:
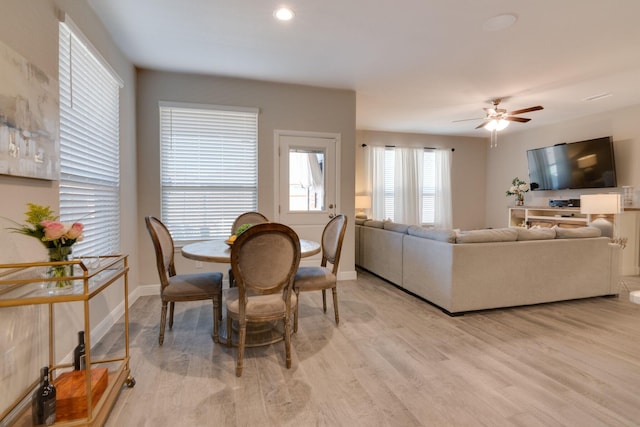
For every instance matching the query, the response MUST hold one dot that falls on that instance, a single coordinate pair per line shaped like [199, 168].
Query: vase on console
[61, 271]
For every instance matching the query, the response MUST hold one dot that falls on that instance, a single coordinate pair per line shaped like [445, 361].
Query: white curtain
[408, 185]
[374, 164]
[443, 206]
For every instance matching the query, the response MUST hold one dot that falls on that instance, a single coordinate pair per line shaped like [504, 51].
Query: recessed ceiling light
[499, 22]
[284, 14]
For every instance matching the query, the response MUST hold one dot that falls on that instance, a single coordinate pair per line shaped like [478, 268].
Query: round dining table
[219, 251]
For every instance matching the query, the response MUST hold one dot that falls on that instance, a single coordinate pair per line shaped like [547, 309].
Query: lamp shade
[363, 202]
[600, 204]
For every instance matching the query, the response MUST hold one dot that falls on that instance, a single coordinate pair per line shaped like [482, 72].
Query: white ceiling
[415, 65]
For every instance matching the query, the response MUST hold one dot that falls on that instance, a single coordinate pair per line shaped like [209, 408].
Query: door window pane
[306, 180]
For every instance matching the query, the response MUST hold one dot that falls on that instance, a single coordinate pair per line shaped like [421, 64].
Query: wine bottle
[44, 401]
[79, 353]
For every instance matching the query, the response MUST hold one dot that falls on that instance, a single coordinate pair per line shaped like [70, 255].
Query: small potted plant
[518, 188]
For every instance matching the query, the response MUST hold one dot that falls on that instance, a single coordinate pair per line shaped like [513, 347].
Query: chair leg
[287, 339]
[335, 304]
[172, 304]
[163, 320]
[216, 319]
[229, 330]
[295, 313]
[242, 333]
[324, 300]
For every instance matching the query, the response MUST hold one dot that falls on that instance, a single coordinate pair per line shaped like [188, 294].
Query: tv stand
[625, 224]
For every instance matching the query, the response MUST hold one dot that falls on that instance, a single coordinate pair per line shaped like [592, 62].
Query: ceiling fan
[497, 119]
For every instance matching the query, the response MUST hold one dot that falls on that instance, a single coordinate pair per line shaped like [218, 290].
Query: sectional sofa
[461, 271]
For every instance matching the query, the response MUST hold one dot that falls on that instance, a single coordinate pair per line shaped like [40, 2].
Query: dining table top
[220, 251]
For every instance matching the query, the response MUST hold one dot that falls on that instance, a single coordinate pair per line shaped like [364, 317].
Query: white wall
[30, 28]
[468, 169]
[509, 158]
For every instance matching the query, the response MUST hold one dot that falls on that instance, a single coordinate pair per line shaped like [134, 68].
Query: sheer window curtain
[374, 164]
[443, 199]
[408, 185]
[408, 190]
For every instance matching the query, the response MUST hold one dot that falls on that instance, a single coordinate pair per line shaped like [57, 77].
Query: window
[306, 180]
[89, 187]
[393, 173]
[209, 168]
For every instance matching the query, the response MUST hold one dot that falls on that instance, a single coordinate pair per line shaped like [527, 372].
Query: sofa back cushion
[545, 233]
[440, 234]
[577, 233]
[490, 235]
[392, 226]
[374, 223]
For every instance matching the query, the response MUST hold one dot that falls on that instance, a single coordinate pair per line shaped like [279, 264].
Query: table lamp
[362, 203]
[601, 205]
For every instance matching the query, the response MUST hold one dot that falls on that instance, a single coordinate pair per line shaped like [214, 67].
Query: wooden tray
[71, 392]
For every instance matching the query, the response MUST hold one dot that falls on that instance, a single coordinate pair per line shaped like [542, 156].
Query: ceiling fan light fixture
[497, 125]
[284, 14]
[499, 22]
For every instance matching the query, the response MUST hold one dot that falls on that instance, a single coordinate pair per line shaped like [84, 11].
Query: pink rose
[53, 230]
[75, 232]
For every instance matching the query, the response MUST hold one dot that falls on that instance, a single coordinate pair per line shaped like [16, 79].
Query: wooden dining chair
[181, 287]
[264, 260]
[316, 278]
[242, 219]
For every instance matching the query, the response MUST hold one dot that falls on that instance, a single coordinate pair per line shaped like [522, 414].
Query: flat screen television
[583, 164]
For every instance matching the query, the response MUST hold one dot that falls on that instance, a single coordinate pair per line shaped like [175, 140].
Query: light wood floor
[393, 361]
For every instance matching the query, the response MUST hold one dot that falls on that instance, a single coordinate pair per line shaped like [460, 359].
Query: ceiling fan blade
[483, 124]
[527, 110]
[466, 120]
[517, 119]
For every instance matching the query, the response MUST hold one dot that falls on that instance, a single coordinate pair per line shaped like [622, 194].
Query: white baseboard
[347, 275]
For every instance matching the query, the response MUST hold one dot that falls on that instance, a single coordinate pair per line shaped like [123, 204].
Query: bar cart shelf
[28, 284]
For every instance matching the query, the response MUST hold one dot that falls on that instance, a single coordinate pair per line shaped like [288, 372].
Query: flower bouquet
[518, 188]
[57, 237]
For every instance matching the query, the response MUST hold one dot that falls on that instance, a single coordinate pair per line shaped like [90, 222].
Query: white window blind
[89, 144]
[209, 168]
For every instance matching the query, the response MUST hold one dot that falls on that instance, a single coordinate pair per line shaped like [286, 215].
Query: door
[307, 193]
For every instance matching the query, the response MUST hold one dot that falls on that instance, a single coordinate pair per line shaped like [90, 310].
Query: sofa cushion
[398, 228]
[542, 233]
[577, 233]
[440, 234]
[374, 223]
[490, 235]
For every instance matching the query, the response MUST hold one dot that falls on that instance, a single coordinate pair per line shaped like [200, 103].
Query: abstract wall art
[29, 117]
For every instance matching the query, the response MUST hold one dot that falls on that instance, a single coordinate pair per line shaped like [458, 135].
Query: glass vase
[520, 200]
[60, 272]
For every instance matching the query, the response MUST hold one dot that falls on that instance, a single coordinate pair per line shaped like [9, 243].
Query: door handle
[330, 205]
[331, 215]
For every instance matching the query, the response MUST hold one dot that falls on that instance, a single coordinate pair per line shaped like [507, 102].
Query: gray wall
[282, 107]
[468, 169]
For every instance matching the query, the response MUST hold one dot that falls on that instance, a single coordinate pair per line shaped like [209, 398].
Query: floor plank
[394, 360]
